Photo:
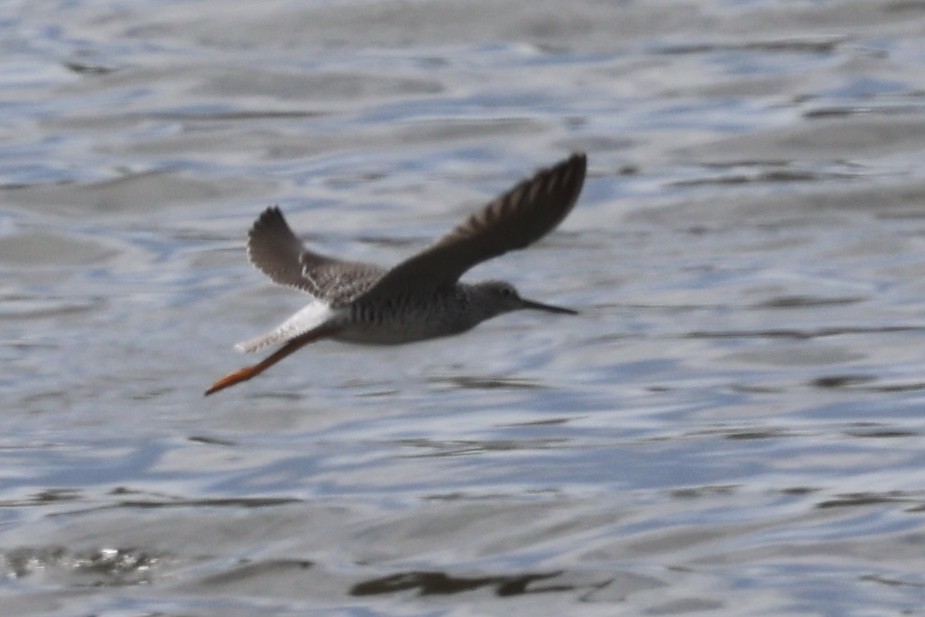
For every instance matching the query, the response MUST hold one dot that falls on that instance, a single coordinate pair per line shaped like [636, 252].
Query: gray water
[732, 426]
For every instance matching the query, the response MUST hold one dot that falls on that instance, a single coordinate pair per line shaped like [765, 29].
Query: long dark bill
[243, 374]
[549, 308]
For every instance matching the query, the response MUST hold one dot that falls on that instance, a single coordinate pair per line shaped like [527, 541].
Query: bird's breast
[404, 320]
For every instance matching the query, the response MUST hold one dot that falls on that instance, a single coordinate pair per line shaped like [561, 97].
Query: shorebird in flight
[420, 298]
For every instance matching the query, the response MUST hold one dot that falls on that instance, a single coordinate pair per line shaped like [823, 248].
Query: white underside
[315, 314]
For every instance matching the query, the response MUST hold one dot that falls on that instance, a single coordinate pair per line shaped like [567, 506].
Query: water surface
[732, 426]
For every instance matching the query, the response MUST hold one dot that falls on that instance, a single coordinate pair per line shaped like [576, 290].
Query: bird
[420, 298]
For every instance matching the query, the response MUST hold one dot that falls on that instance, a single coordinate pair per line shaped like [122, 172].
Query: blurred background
[732, 426]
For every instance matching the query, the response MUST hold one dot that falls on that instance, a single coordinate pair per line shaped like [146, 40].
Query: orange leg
[253, 370]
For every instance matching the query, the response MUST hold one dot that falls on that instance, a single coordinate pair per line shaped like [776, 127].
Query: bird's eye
[507, 292]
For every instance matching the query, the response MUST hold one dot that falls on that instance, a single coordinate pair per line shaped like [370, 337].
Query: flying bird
[420, 298]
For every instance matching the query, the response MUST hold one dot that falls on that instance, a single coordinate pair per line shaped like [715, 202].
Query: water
[733, 425]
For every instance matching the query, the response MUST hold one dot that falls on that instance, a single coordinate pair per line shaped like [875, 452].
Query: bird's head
[497, 297]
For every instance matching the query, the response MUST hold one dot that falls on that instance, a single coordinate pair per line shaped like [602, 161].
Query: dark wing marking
[513, 221]
[276, 251]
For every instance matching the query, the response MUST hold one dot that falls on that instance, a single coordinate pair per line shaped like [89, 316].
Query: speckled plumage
[420, 298]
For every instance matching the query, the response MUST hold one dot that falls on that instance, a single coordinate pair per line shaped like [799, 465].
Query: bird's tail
[312, 316]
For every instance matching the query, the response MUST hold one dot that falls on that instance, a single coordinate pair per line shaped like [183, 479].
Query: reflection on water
[733, 424]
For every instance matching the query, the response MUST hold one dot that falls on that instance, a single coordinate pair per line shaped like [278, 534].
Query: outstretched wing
[513, 221]
[278, 253]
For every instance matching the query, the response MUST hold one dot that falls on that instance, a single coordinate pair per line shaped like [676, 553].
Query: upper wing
[512, 221]
[278, 253]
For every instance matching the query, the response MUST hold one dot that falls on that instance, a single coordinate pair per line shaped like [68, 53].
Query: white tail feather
[309, 318]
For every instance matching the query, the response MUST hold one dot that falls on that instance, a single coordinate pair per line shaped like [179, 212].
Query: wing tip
[267, 234]
[577, 157]
[270, 217]
[565, 179]
[576, 164]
